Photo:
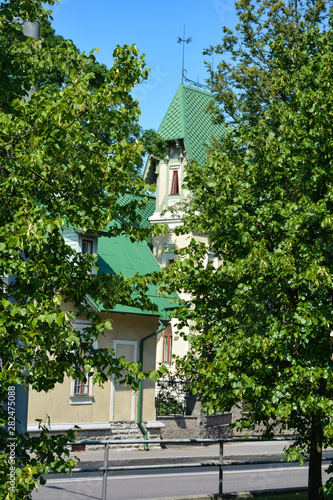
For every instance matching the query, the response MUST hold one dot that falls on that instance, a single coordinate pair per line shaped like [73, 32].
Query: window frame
[174, 190]
[91, 244]
[169, 254]
[167, 342]
[82, 383]
[88, 398]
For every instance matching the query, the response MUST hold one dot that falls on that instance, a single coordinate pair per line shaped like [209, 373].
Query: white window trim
[135, 354]
[87, 399]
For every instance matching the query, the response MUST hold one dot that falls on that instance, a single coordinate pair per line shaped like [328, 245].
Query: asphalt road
[144, 485]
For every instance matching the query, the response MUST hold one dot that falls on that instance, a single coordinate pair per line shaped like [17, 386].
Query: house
[187, 128]
[113, 410]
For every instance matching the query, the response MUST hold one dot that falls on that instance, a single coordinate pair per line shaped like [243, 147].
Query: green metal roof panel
[145, 207]
[118, 255]
[187, 118]
[173, 124]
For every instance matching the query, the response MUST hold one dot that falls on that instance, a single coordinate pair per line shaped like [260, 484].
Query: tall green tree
[264, 318]
[241, 79]
[67, 155]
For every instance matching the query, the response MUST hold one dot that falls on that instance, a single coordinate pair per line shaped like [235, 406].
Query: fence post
[221, 468]
[105, 472]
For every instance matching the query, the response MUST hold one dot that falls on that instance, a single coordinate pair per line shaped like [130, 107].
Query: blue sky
[154, 26]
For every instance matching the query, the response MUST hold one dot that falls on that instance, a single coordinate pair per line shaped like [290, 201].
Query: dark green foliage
[172, 395]
[67, 155]
[168, 406]
[264, 318]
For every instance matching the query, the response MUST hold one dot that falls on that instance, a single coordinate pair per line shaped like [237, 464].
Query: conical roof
[187, 118]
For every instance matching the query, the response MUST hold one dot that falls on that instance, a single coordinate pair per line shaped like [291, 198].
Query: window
[87, 246]
[167, 344]
[82, 389]
[81, 386]
[169, 256]
[212, 260]
[174, 183]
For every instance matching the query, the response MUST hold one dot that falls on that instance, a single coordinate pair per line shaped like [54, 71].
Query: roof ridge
[183, 96]
[196, 89]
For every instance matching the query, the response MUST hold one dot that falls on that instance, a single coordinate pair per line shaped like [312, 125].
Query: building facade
[114, 410]
[187, 127]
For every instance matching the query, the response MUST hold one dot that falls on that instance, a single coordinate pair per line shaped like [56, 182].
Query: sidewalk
[234, 451]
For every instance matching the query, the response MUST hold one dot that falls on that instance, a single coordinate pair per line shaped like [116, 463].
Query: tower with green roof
[188, 128]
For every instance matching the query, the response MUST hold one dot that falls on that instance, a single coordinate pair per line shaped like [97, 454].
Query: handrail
[219, 462]
[182, 441]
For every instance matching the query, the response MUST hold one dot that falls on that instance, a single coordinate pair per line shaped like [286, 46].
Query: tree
[264, 318]
[242, 80]
[68, 154]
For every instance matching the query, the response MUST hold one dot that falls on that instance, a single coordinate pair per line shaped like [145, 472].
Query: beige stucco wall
[179, 348]
[56, 405]
[169, 211]
[162, 251]
[112, 401]
[161, 243]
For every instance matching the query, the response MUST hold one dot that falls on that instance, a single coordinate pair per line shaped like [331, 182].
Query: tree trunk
[315, 461]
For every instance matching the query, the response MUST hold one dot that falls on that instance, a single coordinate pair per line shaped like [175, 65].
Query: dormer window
[88, 246]
[174, 183]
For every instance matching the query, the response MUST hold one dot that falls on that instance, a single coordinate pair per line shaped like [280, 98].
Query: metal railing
[220, 463]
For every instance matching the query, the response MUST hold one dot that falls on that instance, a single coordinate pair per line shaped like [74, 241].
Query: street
[142, 485]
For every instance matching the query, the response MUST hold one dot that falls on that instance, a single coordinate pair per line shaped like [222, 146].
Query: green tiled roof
[187, 118]
[145, 207]
[118, 255]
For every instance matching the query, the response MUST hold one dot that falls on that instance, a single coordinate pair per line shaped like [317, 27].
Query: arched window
[175, 183]
[167, 344]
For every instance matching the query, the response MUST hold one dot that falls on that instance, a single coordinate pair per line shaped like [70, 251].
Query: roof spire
[183, 40]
